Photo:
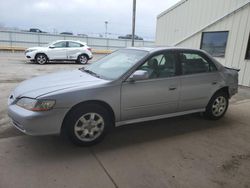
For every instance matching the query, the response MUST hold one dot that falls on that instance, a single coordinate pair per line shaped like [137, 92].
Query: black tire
[82, 59]
[216, 108]
[41, 59]
[73, 118]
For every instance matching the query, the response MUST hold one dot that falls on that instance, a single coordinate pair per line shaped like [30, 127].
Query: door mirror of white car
[138, 75]
[51, 46]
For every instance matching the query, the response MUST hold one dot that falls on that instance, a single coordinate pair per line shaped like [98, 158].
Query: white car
[61, 50]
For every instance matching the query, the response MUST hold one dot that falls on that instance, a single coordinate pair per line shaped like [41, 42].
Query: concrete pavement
[187, 151]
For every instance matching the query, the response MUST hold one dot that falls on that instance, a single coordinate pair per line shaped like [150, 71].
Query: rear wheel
[41, 59]
[82, 59]
[87, 124]
[217, 106]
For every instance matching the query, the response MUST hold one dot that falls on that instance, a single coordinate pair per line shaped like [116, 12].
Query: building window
[214, 43]
[248, 49]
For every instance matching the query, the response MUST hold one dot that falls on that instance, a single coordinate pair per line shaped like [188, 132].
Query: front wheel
[217, 106]
[41, 59]
[87, 124]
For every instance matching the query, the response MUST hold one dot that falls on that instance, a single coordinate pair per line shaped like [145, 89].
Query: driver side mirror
[138, 75]
[52, 46]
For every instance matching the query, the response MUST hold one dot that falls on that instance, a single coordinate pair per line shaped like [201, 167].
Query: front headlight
[35, 105]
[29, 50]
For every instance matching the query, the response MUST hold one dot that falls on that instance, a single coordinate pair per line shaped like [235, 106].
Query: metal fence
[28, 39]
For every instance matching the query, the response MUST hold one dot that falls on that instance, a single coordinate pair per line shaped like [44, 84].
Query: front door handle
[172, 88]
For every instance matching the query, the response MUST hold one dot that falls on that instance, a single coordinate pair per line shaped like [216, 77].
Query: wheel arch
[98, 102]
[43, 54]
[224, 89]
[84, 54]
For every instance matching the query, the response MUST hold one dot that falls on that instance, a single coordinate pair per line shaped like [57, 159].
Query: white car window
[60, 44]
[74, 45]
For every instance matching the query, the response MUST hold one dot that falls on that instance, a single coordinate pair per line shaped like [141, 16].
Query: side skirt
[62, 59]
[120, 123]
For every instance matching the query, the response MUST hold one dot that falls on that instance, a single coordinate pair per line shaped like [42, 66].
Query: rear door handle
[214, 83]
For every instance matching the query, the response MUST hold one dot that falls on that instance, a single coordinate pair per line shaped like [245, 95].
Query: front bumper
[30, 55]
[37, 123]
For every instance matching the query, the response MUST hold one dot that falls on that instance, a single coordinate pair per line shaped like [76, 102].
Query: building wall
[238, 25]
[190, 16]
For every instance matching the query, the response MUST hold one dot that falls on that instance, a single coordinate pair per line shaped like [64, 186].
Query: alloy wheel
[83, 59]
[89, 127]
[219, 106]
[41, 59]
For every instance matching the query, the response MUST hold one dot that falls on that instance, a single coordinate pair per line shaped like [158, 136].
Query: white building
[221, 27]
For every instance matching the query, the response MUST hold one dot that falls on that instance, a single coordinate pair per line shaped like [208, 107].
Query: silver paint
[131, 102]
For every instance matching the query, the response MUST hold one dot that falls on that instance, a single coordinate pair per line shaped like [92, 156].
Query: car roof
[157, 48]
[70, 41]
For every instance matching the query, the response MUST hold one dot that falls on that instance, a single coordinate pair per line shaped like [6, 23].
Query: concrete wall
[212, 15]
[27, 39]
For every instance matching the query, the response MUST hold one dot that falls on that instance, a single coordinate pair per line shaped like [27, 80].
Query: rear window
[74, 44]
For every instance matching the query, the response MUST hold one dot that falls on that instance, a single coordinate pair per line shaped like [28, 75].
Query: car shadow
[157, 130]
[58, 62]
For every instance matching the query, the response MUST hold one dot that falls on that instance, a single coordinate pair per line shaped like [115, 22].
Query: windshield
[48, 44]
[116, 64]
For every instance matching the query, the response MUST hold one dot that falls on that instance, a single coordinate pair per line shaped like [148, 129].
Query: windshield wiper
[91, 72]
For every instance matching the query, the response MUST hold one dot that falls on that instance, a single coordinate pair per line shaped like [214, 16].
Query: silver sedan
[128, 86]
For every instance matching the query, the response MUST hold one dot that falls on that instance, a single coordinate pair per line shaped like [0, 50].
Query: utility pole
[133, 22]
[106, 29]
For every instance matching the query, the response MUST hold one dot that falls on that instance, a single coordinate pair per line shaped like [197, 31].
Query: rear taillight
[89, 49]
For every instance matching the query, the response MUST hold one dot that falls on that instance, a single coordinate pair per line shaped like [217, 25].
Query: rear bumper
[233, 89]
[90, 56]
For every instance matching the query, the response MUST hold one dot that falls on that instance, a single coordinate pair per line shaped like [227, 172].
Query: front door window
[160, 66]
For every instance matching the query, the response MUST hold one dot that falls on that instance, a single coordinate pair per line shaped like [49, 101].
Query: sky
[83, 16]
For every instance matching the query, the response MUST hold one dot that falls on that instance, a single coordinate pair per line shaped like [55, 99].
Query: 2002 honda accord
[130, 85]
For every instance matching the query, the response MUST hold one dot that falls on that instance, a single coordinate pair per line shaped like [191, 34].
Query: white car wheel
[83, 59]
[41, 59]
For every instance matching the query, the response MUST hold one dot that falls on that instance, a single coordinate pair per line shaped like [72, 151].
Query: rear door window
[74, 45]
[193, 63]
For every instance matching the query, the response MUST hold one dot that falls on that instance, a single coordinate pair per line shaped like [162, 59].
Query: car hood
[49, 83]
[37, 48]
